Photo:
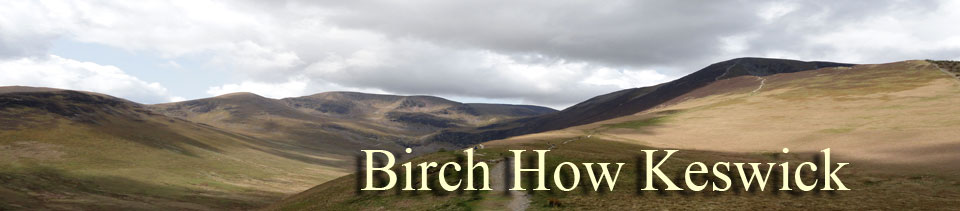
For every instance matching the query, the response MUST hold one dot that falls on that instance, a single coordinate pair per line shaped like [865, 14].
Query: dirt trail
[762, 82]
[499, 182]
[955, 76]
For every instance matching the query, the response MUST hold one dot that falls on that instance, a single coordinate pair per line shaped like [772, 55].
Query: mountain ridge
[893, 123]
[630, 101]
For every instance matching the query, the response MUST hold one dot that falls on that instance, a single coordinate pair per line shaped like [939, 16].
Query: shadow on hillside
[281, 149]
[39, 187]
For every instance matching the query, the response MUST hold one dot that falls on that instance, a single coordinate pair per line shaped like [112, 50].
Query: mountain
[340, 123]
[411, 113]
[895, 123]
[63, 149]
[630, 101]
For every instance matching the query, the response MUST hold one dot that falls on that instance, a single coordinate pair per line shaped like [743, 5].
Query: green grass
[120, 163]
[871, 190]
[640, 124]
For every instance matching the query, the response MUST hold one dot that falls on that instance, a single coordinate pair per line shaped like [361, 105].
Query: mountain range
[65, 149]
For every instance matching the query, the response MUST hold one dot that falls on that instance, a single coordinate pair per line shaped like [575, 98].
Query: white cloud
[625, 79]
[176, 99]
[774, 10]
[553, 53]
[293, 87]
[426, 68]
[56, 72]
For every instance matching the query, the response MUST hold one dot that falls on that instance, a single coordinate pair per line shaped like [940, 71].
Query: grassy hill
[895, 123]
[630, 101]
[73, 150]
[62, 149]
[338, 124]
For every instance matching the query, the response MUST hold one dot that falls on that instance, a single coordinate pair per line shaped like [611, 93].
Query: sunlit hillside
[894, 123]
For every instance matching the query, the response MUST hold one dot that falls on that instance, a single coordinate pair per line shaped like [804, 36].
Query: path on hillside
[762, 82]
[501, 181]
[955, 76]
[519, 200]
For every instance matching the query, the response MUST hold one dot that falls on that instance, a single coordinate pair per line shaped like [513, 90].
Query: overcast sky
[553, 53]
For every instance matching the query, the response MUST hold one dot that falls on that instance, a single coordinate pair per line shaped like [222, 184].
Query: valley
[63, 149]
[893, 123]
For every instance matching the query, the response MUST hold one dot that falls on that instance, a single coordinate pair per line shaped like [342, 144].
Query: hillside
[63, 149]
[630, 101]
[894, 123]
[338, 124]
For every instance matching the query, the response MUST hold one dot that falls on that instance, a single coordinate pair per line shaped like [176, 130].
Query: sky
[551, 53]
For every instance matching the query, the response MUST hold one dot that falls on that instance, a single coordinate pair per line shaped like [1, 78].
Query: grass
[871, 190]
[640, 124]
[948, 65]
[343, 193]
[837, 130]
[855, 83]
[148, 163]
[658, 119]
[876, 186]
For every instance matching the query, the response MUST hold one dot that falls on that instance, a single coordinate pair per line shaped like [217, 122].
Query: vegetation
[948, 65]
[94, 154]
[892, 122]
[871, 190]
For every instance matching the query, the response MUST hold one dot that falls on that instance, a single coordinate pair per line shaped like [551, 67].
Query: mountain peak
[757, 66]
[240, 95]
[631, 101]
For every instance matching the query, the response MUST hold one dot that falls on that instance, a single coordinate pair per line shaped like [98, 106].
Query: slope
[895, 123]
[63, 149]
[339, 124]
[630, 101]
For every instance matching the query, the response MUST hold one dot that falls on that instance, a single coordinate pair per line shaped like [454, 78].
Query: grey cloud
[422, 68]
[685, 34]
[675, 37]
[444, 48]
[636, 33]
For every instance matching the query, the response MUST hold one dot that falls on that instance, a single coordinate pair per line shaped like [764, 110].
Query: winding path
[762, 82]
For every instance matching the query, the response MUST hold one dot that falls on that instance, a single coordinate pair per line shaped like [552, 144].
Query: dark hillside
[630, 101]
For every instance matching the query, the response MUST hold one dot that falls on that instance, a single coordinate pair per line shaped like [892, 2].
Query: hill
[894, 123]
[63, 149]
[630, 101]
[338, 124]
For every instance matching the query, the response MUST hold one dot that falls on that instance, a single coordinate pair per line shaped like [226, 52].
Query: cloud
[541, 52]
[26, 31]
[56, 72]
[293, 87]
[416, 67]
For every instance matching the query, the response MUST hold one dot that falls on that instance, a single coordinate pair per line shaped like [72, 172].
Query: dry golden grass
[150, 162]
[895, 123]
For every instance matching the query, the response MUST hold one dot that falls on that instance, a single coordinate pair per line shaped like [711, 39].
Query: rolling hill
[338, 124]
[629, 101]
[895, 123]
[63, 149]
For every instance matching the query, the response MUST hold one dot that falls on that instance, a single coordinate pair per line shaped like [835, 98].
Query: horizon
[551, 54]
[412, 95]
[479, 105]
